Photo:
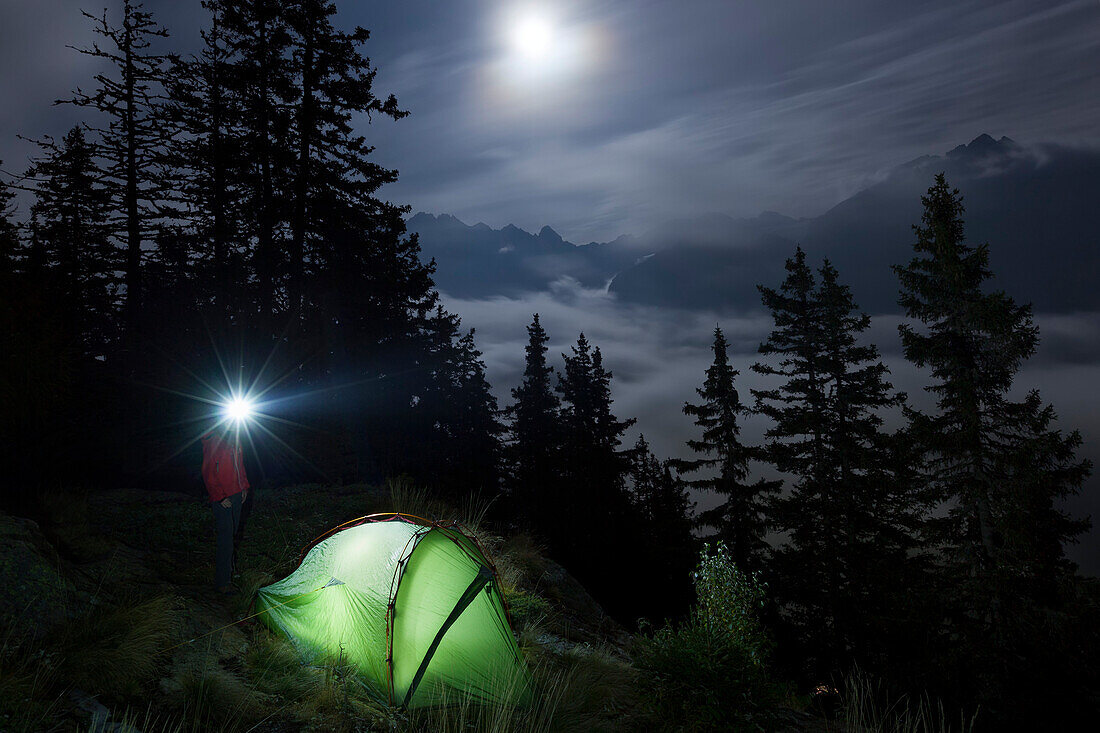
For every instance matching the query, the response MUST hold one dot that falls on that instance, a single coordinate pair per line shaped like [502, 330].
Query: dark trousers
[226, 521]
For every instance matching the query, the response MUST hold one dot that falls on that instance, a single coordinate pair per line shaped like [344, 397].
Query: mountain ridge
[1028, 201]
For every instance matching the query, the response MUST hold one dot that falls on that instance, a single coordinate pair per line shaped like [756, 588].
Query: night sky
[638, 111]
[602, 118]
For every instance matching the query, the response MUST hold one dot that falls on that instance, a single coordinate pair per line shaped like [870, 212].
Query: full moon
[543, 50]
[533, 37]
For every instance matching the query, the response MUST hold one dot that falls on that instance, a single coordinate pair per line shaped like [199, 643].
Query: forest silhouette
[217, 220]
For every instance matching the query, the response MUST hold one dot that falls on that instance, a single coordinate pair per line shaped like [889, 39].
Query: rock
[97, 711]
[36, 594]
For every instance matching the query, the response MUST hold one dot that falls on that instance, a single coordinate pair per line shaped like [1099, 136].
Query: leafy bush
[709, 673]
[729, 601]
[525, 608]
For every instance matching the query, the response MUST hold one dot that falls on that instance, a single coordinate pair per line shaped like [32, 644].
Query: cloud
[736, 108]
[659, 356]
[689, 107]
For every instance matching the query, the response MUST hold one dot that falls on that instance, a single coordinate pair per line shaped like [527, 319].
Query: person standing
[227, 485]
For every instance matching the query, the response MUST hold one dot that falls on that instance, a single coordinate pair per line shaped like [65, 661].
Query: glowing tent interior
[413, 605]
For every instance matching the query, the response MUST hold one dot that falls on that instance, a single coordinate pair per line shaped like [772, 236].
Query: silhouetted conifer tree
[132, 145]
[71, 211]
[332, 170]
[741, 518]
[594, 527]
[462, 452]
[42, 349]
[595, 470]
[974, 343]
[533, 454]
[848, 516]
[258, 38]
[663, 508]
[206, 106]
[1000, 470]
[475, 423]
[9, 231]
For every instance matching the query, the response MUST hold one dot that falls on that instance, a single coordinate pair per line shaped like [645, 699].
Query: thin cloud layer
[658, 358]
[677, 108]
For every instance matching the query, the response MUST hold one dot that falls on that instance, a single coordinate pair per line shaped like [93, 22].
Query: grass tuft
[135, 722]
[115, 650]
[869, 707]
[213, 699]
[27, 677]
[408, 498]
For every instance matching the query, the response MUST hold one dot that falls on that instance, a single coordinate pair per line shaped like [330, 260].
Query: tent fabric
[413, 605]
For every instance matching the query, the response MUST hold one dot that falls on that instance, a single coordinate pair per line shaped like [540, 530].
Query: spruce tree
[871, 498]
[594, 468]
[355, 284]
[258, 38]
[848, 517]
[1000, 470]
[206, 107]
[475, 422]
[797, 439]
[594, 485]
[664, 511]
[461, 456]
[533, 453]
[71, 212]
[332, 170]
[740, 520]
[997, 465]
[134, 141]
[9, 232]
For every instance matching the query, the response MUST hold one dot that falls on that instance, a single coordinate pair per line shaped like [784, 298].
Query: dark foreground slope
[108, 622]
[108, 615]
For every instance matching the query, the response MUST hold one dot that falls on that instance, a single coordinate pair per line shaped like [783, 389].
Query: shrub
[709, 673]
[729, 601]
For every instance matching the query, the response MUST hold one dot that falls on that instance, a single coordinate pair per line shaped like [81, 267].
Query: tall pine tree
[71, 211]
[740, 520]
[533, 455]
[663, 510]
[258, 38]
[133, 143]
[596, 469]
[1000, 470]
[988, 452]
[332, 170]
[206, 107]
[847, 517]
[594, 485]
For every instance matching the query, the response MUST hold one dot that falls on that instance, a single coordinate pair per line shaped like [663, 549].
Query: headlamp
[239, 409]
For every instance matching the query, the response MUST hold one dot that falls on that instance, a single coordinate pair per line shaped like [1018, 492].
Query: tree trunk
[130, 203]
[301, 186]
[264, 245]
[218, 195]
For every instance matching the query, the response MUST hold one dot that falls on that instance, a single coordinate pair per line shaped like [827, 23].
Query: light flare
[239, 409]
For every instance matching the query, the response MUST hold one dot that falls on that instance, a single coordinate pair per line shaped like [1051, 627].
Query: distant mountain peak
[548, 233]
[982, 146]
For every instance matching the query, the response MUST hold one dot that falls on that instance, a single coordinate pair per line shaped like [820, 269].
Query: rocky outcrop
[36, 593]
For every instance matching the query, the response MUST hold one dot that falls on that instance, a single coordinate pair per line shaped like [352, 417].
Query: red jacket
[222, 467]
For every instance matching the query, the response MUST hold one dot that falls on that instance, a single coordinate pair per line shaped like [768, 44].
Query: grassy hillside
[119, 623]
[110, 624]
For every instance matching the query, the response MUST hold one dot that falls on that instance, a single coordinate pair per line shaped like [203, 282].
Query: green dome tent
[413, 605]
